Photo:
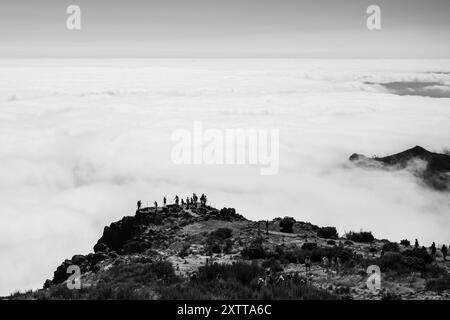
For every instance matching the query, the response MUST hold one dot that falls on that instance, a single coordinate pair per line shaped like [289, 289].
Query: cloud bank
[83, 140]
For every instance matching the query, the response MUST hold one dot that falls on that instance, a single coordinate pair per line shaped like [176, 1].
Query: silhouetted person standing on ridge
[177, 200]
[433, 249]
[444, 251]
[203, 200]
[187, 202]
[195, 198]
[156, 207]
[267, 227]
[139, 203]
[164, 201]
[416, 244]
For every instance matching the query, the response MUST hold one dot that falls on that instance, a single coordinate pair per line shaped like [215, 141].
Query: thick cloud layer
[83, 140]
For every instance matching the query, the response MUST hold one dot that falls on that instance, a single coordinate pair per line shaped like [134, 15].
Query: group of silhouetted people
[189, 203]
[433, 249]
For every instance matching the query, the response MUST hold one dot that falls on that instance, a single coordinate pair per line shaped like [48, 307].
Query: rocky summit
[199, 252]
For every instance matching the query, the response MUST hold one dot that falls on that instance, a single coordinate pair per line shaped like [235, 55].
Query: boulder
[101, 247]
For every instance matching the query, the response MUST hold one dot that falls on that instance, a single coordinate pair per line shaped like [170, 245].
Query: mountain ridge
[434, 171]
[200, 252]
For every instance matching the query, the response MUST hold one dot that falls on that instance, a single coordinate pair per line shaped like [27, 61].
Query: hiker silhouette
[433, 249]
[203, 200]
[444, 251]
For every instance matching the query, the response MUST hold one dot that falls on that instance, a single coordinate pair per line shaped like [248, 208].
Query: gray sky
[225, 28]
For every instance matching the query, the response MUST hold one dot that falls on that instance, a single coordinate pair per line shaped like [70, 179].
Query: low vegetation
[287, 224]
[362, 236]
[327, 233]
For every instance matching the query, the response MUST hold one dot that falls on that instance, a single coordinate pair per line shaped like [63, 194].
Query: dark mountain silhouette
[435, 172]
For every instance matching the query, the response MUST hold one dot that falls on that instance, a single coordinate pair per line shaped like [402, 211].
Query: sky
[225, 28]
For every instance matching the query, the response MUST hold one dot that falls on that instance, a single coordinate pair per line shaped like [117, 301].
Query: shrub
[393, 261]
[221, 233]
[439, 285]
[228, 211]
[362, 236]
[433, 270]
[309, 246]
[286, 225]
[135, 246]
[185, 250]
[219, 239]
[228, 246]
[139, 273]
[239, 282]
[109, 291]
[405, 243]
[389, 295]
[273, 264]
[213, 247]
[420, 253]
[390, 247]
[408, 261]
[327, 233]
[331, 242]
[254, 251]
[61, 292]
[316, 254]
[373, 250]
[241, 271]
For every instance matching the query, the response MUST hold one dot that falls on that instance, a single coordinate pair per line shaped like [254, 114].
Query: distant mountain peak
[436, 173]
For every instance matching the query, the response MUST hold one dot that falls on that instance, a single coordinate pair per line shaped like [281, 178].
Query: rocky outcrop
[117, 234]
[85, 263]
[135, 234]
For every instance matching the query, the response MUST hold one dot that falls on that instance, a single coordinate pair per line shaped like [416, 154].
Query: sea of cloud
[82, 140]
